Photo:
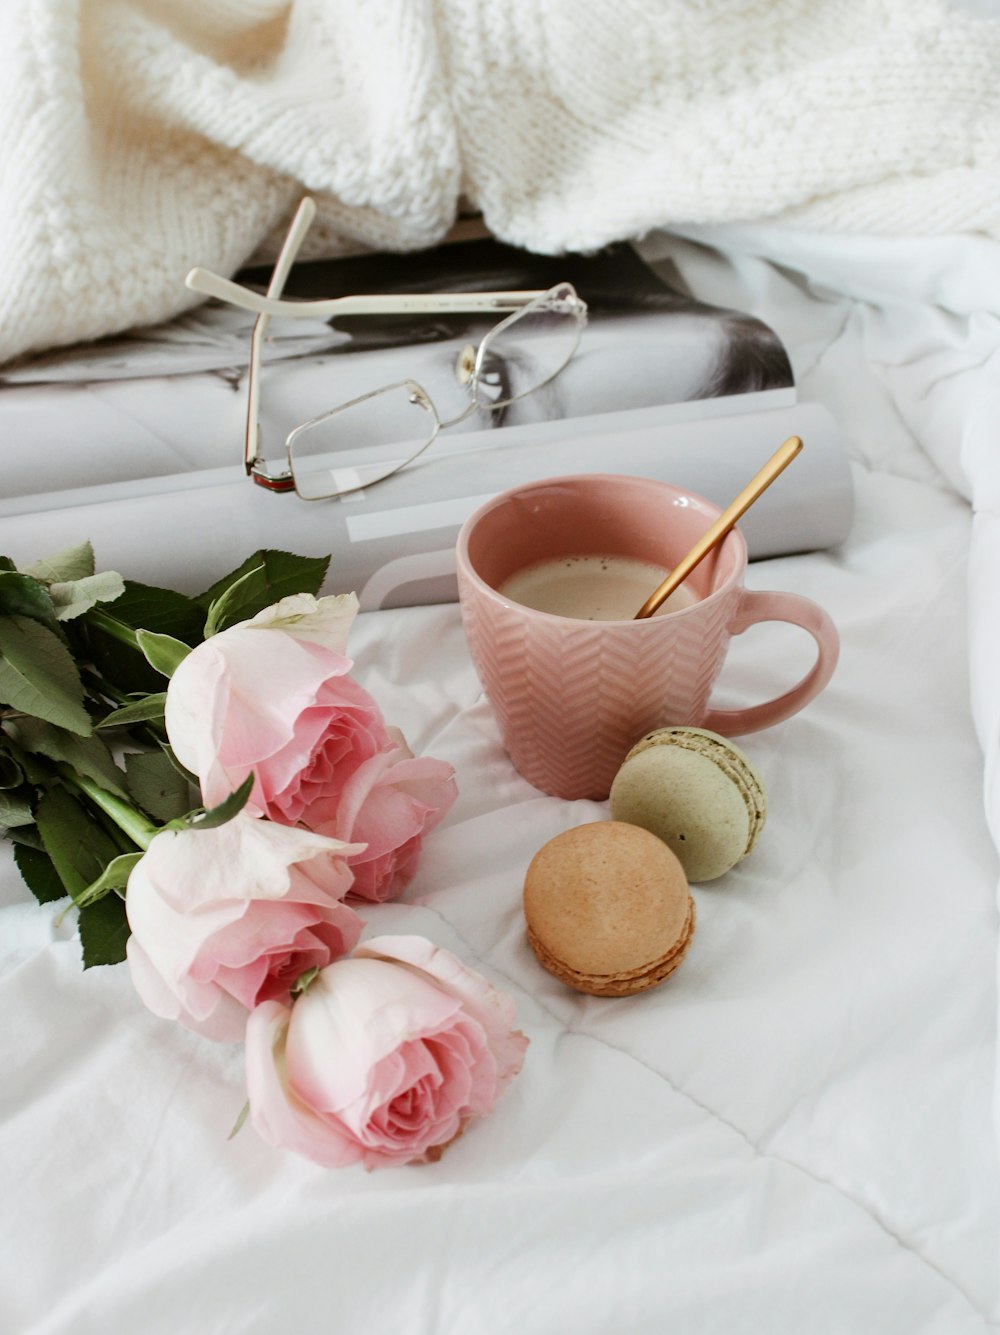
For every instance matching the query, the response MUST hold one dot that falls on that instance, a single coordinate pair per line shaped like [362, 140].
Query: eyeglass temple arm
[423, 303]
[282, 266]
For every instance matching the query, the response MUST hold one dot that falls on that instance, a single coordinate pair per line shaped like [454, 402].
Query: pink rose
[389, 803]
[227, 918]
[272, 696]
[385, 1059]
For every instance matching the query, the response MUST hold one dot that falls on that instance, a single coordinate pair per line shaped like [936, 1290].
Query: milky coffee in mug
[592, 587]
[573, 693]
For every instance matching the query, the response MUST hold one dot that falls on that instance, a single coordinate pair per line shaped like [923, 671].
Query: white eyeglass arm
[301, 223]
[423, 303]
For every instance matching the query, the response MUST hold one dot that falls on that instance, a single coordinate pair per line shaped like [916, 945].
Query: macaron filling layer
[623, 984]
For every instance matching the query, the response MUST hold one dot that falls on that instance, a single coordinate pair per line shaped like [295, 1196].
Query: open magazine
[136, 442]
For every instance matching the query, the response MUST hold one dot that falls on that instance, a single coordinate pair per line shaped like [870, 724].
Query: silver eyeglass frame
[469, 368]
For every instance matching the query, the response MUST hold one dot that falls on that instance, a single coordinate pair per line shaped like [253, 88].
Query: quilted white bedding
[795, 1132]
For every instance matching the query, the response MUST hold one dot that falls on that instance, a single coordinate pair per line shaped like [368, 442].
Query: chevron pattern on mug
[572, 695]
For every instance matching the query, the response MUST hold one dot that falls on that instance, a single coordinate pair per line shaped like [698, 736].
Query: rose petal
[324, 620]
[396, 798]
[385, 877]
[272, 678]
[233, 701]
[493, 1009]
[277, 1114]
[196, 704]
[391, 803]
[356, 1013]
[205, 1010]
[190, 868]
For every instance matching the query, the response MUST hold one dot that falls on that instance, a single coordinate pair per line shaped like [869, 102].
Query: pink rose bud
[224, 919]
[385, 1059]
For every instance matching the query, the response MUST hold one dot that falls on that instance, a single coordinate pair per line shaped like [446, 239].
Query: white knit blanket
[139, 137]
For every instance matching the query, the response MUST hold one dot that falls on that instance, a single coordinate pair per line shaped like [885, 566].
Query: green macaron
[695, 791]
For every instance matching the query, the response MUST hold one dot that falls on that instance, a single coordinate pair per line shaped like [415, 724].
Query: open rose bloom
[226, 918]
[384, 1059]
[273, 696]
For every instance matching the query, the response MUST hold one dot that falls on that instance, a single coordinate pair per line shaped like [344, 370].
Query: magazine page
[394, 543]
[172, 399]
[137, 442]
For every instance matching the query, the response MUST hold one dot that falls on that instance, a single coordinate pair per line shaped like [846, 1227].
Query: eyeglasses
[372, 437]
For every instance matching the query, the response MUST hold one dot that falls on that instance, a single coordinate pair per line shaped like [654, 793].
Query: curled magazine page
[660, 384]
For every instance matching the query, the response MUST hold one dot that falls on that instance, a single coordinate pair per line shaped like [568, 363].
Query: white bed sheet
[794, 1133]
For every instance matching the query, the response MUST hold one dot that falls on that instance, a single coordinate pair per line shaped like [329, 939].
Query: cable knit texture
[139, 138]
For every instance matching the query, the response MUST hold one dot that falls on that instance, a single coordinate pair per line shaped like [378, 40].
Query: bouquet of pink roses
[121, 708]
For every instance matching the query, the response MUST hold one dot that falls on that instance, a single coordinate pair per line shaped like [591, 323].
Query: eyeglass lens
[528, 349]
[360, 443]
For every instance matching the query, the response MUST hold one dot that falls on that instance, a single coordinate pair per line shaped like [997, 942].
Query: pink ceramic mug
[572, 696]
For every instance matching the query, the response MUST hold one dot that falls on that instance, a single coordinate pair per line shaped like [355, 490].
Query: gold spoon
[758, 484]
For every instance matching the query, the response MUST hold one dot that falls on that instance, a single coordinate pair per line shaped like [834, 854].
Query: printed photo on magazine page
[171, 398]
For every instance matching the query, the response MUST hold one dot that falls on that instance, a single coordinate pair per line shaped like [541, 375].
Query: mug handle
[757, 606]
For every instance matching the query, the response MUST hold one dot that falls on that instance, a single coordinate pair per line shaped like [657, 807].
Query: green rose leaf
[144, 607]
[244, 1113]
[227, 609]
[215, 816]
[86, 755]
[305, 981]
[157, 785]
[171, 755]
[38, 675]
[114, 877]
[261, 580]
[104, 930]
[15, 810]
[107, 634]
[162, 652]
[146, 709]
[11, 773]
[27, 835]
[71, 598]
[34, 768]
[39, 874]
[78, 845]
[73, 563]
[20, 595]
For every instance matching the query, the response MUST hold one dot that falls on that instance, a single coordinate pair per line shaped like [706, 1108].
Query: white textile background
[134, 134]
[794, 1133]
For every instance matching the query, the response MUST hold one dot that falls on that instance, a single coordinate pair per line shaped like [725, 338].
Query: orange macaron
[608, 909]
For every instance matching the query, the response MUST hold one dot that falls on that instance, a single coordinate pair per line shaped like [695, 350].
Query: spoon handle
[759, 483]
